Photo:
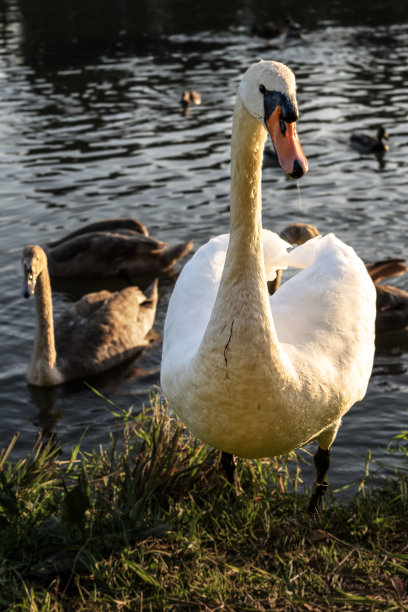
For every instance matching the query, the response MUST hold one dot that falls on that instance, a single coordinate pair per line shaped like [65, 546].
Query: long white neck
[43, 366]
[242, 311]
[247, 146]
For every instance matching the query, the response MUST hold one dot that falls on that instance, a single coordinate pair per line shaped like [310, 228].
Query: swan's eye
[282, 126]
[262, 89]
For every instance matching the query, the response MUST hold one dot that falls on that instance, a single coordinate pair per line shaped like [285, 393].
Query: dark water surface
[91, 127]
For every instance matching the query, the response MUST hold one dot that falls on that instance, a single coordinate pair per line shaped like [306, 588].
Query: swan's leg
[322, 462]
[229, 463]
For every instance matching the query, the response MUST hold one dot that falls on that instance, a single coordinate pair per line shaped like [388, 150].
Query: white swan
[257, 375]
[98, 332]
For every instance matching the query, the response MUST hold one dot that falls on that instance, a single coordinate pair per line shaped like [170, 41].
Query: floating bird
[292, 28]
[257, 375]
[266, 30]
[94, 334]
[392, 308]
[392, 302]
[189, 98]
[299, 233]
[111, 248]
[364, 143]
[270, 158]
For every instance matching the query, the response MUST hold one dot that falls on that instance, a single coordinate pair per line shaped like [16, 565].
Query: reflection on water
[95, 130]
[48, 415]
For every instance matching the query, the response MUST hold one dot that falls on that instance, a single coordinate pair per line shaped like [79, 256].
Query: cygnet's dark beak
[29, 284]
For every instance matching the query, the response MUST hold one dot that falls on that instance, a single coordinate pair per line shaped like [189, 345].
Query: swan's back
[103, 329]
[324, 314]
[101, 254]
[112, 247]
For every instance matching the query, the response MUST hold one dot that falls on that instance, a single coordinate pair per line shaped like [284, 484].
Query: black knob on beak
[297, 171]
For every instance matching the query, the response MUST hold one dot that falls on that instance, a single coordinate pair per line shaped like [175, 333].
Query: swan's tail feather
[173, 253]
[151, 293]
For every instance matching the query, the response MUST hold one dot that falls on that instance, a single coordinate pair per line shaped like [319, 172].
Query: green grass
[150, 523]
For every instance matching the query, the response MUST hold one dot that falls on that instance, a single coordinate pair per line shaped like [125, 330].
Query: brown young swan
[96, 333]
[110, 248]
[257, 375]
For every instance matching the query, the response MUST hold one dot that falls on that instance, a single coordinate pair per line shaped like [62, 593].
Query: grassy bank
[151, 524]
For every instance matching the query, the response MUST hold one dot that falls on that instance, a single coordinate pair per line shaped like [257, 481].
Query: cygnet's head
[299, 233]
[34, 261]
[268, 91]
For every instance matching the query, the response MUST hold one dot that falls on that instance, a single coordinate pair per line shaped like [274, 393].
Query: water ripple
[109, 138]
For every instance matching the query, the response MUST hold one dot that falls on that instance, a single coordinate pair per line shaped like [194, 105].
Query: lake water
[91, 127]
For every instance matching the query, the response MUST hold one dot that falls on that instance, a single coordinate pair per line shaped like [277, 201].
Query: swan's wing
[332, 291]
[102, 254]
[326, 312]
[194, 294]
[103, 328]
[275, 253]
[363, 141]
[302, 256]
[192, 300]
[106, 245]
[106, 225]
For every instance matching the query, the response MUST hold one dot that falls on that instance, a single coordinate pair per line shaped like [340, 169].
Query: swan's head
[34, 261]
[268, 91]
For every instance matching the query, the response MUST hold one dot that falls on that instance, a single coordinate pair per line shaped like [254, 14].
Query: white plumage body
[245, 407]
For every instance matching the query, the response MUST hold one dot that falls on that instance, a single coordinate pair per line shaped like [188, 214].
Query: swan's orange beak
[287, 145]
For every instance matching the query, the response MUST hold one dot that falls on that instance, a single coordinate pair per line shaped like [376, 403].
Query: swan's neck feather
[247, 146]
[242, 311]
[43, 369]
